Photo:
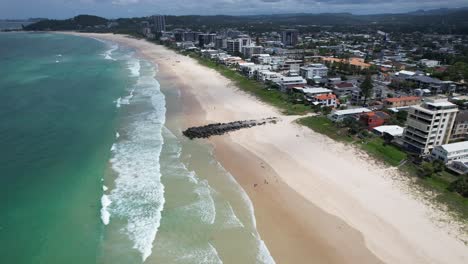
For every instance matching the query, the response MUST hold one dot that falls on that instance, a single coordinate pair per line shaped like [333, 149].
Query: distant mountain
[76, 23]
[440, 11]
[430, 21]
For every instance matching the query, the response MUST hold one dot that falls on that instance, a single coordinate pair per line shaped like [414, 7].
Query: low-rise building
[459, 166]
[451, 152]
[373, 119]
[313, 70]
[429, 63]
[328, 100]
[342, 89]
[401, 101]
[340, 115]
[288, 82]
[267, 75]
[395, 131]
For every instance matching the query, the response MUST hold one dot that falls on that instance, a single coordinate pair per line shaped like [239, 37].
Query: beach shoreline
[315, 200]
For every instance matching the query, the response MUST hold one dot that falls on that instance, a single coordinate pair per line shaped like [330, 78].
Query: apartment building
[312, 70]
[460, 127]
[429, 125]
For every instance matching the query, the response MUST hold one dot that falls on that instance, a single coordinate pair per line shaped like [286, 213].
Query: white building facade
[312, 70]
[429, 125]
[451, 152]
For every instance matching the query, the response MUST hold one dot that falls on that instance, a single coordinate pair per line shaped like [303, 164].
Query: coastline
[315, 199]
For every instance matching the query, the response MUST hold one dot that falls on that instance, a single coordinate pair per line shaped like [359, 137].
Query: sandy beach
[315, 200]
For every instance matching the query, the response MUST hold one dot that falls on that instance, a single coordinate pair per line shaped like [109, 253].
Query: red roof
[400, 99]
[325, 96]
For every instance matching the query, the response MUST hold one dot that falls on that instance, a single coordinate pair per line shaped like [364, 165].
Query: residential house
[288, 82]
[459, 166]
[401, 101]
[395, 131]
[342, 89]
[328, 100]
[267, 75]
[373, 119]
[340, 115]
[451, 152]
[429, 63]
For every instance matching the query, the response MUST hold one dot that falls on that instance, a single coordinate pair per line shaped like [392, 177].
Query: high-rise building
[206, 39]
[233, 46]
[159, 23]
[429, 125]
[220, 43]
[290, 37]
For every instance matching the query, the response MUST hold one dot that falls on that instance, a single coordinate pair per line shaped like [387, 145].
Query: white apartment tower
[429, 125]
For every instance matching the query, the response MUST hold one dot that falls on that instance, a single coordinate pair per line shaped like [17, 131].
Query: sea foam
[105, 215]
[107, 54]
[134, 67]
[138, 195]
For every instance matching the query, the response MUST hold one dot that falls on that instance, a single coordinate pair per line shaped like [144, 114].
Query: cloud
[122, 8]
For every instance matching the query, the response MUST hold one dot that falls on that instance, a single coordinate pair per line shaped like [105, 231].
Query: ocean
[94, 167]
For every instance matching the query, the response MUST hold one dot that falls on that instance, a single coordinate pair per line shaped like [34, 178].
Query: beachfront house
[340, 115]
[288, 82]
[328, 100]
[394, 131]
[450, 152]
[401, 101]
[373, 119]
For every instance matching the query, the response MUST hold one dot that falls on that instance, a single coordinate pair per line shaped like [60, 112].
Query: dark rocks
[222, 128]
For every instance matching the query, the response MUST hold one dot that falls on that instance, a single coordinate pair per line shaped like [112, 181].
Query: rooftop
[455, 146]
[401, 99]
[315, 90]
[325, 96]
[392, 130]
[352, 111]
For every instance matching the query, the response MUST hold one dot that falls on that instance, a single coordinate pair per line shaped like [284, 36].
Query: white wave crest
[206, 254]
[104, 188]
[107, 54]
[118, 102]
[105, 215]
[138, 195]
[134, 67]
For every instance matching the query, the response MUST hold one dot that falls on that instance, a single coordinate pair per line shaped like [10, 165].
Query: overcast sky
[129, 8]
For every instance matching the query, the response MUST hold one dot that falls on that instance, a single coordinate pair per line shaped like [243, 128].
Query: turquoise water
[94, 168]
[57, 119]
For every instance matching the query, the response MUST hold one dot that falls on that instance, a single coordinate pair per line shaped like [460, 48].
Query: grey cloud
[123, 8]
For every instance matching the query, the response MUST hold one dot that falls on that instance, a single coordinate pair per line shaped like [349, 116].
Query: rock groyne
[223, 128]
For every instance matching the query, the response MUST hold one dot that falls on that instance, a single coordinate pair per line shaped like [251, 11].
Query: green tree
[460, 186]
[426, 170]
[438, 166]
[366, 88]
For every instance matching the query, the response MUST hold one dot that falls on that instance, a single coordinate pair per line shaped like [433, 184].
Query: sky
[136, 8]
